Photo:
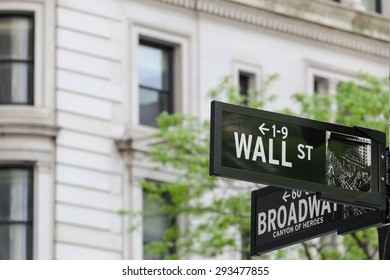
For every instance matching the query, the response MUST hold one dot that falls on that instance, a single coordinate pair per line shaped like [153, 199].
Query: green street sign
[339, 163]
[283, 217]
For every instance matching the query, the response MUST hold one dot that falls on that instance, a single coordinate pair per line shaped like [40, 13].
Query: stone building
[81, 83]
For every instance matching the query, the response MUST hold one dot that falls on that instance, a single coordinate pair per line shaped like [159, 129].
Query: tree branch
[307, 250]
[363, 246]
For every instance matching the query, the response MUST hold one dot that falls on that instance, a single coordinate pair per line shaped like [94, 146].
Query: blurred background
[87, 171]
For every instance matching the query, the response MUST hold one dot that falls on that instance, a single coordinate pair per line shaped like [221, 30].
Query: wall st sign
[339, 163]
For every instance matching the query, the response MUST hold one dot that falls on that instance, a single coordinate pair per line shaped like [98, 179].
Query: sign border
[375, 199]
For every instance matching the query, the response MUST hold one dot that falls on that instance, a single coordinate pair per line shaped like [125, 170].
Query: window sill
[27, 120]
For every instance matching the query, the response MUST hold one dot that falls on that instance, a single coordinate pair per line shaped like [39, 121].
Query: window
[16, 194]
[321, 85]
[155, 70]
[155, 223]
[373, 5]
[246, 82]
[246, 75]
[16, 59]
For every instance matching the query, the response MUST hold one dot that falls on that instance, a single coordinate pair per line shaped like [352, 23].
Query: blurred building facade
[81, 83]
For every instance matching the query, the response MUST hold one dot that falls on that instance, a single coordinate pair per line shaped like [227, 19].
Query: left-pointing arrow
[262, 128]
[285, 196]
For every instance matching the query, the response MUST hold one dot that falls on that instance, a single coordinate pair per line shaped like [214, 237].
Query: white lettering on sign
[271, 151]
[282, 216]
[302, 154]
[243, 143]
[284, 161]
[259, 150]
[292, 216]
[302, 210]
[281, 232]
[299, 214]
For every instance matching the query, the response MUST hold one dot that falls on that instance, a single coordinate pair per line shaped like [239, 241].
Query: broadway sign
[341, 164]
[282, 217]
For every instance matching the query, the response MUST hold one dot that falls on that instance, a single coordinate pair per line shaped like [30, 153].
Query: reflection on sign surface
[342, 164]
[296, 152]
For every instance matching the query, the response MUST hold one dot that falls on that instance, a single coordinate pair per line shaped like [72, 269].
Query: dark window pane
[244, 84]
[153, 67]
[16, 37]
[16, 212]
[149, 106]
[155, 70]
[15, 242]
[155, 223]
[15, 194]
[16, 59]
[152, 103]
[16, 83]
[321, 85]
[372, 5]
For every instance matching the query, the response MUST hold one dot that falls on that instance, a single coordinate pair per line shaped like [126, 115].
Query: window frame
[327, 73]
[253, 72]
[334, 76]
[44, 62]
[184, 100]
[30, 62]
[29, 251]
[169, 49]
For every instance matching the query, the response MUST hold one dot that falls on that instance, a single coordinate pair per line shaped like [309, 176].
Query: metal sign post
[341, 164]
[384, 242]
[384, 231]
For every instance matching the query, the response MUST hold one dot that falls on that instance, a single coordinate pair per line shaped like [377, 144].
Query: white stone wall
[87, 87]
[97, 95]
[89, 170]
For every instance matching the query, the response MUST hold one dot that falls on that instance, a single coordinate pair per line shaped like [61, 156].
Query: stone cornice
[29, 130]
[27, 120]
[327, 13]
[339, 26]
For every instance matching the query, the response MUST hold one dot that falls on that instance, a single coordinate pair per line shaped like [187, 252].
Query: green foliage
[366, 104]
[257, 98]
[363, 103]
[217, 210]
[316, 107]
[184, 146]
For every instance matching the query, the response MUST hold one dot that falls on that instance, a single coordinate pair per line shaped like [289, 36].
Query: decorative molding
[29, 130]
[140, 167]
[23, 120]
[349, 37]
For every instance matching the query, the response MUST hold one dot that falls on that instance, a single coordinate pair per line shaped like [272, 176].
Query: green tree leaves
[215, 212]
